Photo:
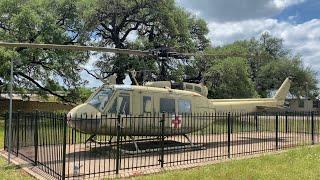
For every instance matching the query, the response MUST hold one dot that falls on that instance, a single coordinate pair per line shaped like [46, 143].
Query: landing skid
[93, 139]
[190, 146]
[137, 150]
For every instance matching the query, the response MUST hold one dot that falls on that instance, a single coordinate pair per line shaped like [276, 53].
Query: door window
[184, 106]
[167, 105]
[147, 104]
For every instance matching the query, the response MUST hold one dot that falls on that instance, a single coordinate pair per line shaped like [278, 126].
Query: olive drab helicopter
[153, 97]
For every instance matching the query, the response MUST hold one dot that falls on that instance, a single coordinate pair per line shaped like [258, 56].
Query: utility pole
[10, 111]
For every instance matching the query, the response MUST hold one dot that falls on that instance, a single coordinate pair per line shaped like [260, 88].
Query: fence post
[162, 121]
[18, 131]
[277, 131]
[256, 120]
[64, 118]
[229, 134]
[231, 125]
[36, 121]
[312, 128]
[286, 121]
[5, 131]
[118, 144]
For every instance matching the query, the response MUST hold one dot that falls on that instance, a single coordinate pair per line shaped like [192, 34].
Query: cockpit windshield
[101, 98]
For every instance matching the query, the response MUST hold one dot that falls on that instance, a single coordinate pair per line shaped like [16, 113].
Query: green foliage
[272, 75]
[153, 23]
[270, 63]
[80, 94]
[41, 21]
[229, 78]
[267, 64]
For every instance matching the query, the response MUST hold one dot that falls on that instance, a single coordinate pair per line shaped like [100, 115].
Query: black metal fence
[94, 146]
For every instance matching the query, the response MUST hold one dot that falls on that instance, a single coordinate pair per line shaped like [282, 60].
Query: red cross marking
[176, 121]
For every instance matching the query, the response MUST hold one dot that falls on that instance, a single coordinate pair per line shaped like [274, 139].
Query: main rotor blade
[74, 48]
[206, 55]
[106, 49]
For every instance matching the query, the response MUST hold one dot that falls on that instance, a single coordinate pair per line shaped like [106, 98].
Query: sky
[297, 22]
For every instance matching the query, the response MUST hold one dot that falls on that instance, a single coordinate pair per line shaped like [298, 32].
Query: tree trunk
[120, 71]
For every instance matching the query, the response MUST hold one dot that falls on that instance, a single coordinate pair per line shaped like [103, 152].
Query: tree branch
[71, 41]
[3, 26]
[129, 30]
[93, 75]
[41, 87]
[106, 27]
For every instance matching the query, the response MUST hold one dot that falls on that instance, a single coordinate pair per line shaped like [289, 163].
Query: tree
[41, 21]
[153, 23]
[229, 78]
[304, 80]
[106, 23]
[268, 64]
[80, 94]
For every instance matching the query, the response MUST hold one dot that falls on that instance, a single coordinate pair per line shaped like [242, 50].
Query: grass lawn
[11, 171]
[301, 163]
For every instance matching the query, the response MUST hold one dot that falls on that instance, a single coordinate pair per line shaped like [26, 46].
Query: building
[303, 104]
[32, 102]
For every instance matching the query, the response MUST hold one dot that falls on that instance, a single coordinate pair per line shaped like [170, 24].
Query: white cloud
[281, 4]
[236, 10]
[303, 39]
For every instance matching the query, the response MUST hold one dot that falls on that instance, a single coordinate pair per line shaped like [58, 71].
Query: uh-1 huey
[175, 98]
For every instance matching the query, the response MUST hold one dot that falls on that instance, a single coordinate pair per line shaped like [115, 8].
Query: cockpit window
[100, 100]
[121, 105]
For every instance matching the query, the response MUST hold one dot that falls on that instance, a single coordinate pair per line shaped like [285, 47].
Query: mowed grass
[9, 171]
[300, 163]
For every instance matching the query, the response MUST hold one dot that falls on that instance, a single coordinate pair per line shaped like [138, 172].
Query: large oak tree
[151, 23]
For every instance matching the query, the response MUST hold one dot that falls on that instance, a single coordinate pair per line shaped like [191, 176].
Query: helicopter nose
[84, 118]
[83, 111]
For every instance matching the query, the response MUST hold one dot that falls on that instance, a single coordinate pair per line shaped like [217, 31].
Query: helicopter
[174, 98]
[163, 96]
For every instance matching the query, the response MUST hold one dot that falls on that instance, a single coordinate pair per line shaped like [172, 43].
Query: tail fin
[283, 90]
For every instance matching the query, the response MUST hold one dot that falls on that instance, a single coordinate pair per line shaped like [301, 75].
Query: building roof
[28, 97]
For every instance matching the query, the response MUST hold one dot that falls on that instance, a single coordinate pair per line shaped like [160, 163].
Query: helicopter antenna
[133, 76]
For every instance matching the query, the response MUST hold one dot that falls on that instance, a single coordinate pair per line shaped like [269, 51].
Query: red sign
[176, 121]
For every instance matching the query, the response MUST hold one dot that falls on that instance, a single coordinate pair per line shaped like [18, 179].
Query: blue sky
[297, 22]
[301, 13]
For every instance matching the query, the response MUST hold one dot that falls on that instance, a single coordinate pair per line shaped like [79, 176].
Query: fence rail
[91, 146]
